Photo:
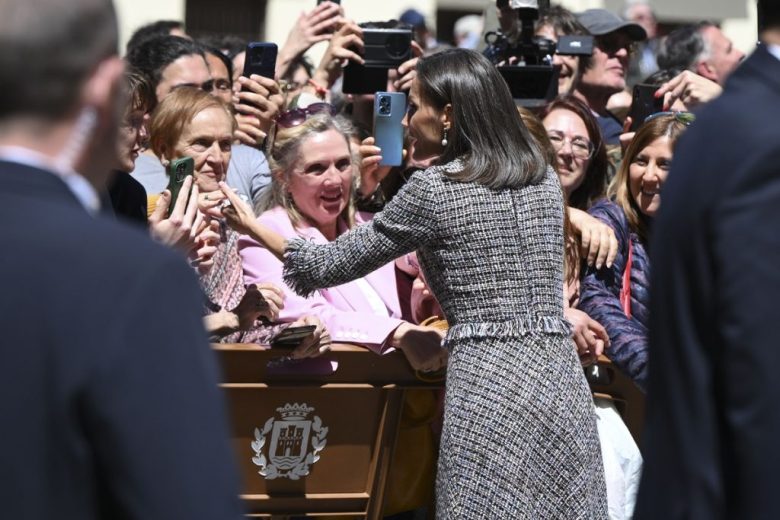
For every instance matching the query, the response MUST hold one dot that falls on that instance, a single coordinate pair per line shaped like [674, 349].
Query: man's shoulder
[244, 157]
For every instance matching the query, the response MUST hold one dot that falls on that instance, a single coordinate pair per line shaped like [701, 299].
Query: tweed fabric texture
[519, 438]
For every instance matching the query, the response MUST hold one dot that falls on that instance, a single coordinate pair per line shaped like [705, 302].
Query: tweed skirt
[519, 437]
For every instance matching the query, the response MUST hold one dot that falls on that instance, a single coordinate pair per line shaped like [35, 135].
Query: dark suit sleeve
[153, 408]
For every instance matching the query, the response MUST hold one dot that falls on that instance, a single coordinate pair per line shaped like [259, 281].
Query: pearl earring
[444, 141]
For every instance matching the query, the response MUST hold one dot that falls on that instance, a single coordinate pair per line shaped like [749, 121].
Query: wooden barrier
[315, 438]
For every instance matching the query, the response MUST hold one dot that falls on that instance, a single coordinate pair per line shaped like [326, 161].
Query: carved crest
[295, 444]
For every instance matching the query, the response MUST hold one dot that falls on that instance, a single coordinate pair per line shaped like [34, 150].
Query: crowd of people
[512, 247]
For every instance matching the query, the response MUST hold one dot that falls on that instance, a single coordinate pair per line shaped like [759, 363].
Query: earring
[444, 141]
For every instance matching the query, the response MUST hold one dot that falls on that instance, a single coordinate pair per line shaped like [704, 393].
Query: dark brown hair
[486, 133]
[594, 186]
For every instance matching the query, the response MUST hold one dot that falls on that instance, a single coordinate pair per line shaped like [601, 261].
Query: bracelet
[319, 89]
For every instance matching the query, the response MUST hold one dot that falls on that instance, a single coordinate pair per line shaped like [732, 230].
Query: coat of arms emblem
[288, 454]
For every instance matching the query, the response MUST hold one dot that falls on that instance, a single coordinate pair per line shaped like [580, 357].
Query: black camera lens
[397, 46]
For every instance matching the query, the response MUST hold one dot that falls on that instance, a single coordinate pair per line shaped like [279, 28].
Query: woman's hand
[183, 226]
[371, 174]
[312, 27]
[206, 244]
[264, 300]
[690, 89]
[347, 38]
[257, 104]
[316, 343]
[408, 70]
[421, 346]
[599, 244]
[238, 214]
[589, 336]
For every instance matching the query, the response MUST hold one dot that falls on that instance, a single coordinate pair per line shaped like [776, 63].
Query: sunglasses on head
[685, 118]
[297, 116]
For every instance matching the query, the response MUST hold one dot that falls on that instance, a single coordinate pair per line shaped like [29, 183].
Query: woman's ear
[446, 116]
[164, 157]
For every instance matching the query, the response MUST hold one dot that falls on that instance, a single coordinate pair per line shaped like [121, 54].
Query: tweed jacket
[600, 296]
[519, 436]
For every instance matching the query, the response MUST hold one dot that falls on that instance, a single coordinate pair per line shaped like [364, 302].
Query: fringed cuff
[547, 325]
[297, 274]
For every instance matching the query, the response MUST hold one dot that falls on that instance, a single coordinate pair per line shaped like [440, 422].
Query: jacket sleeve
[153, 409]
[406, 222]
[600, 299]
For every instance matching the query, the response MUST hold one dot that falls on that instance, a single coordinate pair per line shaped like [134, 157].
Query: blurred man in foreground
[108, 389]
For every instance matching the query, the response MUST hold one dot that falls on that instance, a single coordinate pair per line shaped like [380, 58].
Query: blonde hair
[285, 154]
[620, 189]
[176, 111]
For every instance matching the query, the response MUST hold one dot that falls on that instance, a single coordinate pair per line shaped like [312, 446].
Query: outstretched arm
[407, 221]
[240, 217]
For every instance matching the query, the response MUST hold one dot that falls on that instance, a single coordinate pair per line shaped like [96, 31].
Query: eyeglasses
[612, 43]
[580, 148]
[685, 118]
[297, 116]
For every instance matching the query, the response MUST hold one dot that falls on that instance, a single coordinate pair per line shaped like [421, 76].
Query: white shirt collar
[81, 188]
[774, 49]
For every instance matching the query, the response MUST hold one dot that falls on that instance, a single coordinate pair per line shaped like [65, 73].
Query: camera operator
[552, 24]
[539, 50]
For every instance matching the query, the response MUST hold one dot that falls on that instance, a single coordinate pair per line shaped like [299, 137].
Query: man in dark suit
[712, 442]
[108, 390]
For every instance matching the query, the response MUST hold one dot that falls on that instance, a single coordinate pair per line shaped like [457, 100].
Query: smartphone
[334, 1]
[359, 79]
[260, 59]
[178, 170]
[291, 337]
[389, 110]
[644, 104]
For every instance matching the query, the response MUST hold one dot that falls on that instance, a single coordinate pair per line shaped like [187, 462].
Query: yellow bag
[412, 476]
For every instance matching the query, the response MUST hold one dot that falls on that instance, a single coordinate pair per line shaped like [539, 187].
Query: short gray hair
[49, 49]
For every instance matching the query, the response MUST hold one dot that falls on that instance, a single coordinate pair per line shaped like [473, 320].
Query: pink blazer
[344, 309]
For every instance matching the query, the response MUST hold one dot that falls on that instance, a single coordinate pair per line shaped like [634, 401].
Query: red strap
[625, 291]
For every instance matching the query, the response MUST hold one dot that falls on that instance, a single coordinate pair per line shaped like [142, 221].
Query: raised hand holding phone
[389, 111]
[178, 171]
[260, 59]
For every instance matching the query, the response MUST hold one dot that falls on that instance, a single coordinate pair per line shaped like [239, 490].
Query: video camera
[531, 76]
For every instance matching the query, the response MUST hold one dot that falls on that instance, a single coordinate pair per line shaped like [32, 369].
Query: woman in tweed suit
[519, 437]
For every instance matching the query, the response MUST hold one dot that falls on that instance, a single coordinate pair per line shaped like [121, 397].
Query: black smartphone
[260, 59]
[291, 337]
[644, 104]
[323, 1]
[358, 79]
[389, 110]
[178, 170]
